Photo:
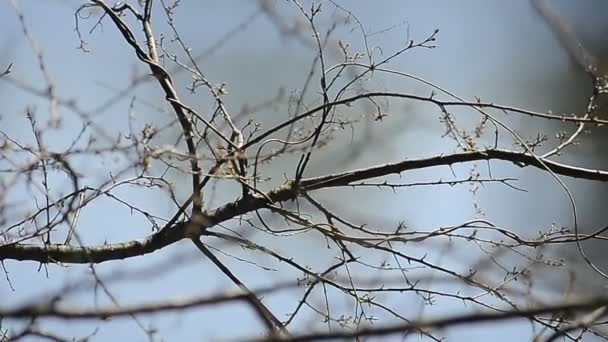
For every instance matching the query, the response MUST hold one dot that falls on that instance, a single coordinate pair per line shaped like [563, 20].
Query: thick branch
[285, 192]
[60, 253]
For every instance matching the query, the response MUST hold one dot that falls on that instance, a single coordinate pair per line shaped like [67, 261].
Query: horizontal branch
[518, 158]
[415, 327]
[427, 99]
[50, 310]
[62, 253]
[285, 192]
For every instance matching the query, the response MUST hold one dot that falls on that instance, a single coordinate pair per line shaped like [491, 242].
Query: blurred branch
[460, 319]
[7, 70]
[567, 37]
[53, 310]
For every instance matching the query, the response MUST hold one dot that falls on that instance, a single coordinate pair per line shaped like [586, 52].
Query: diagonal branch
[166, 83]
[273, 324]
